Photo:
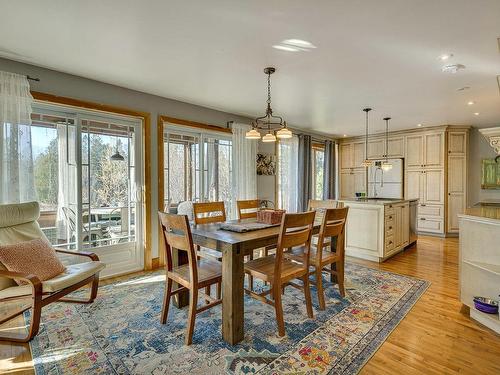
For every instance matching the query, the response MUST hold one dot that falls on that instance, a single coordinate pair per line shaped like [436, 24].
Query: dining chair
[247, 209]
[320, 205]
[208, 213]
[194, 275]
[279, 271]
[332, 226]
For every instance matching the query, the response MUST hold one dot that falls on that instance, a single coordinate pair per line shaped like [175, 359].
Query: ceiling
[382, 54]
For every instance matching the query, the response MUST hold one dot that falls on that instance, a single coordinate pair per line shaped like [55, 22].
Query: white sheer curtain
[244, 176]
[16, 155]
[288, 151]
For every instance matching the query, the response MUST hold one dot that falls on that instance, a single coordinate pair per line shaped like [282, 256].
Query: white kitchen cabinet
[345, 151]
[433, 186]
[352, 181]
[376, 148]
[414, 151]
[396, 147]
[434, 150]
[358, 154]
[457, 178]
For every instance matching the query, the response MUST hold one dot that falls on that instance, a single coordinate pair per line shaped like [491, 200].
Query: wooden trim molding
[193, 124]
[146, 142]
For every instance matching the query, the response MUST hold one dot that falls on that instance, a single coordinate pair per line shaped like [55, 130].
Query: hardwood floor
[436, 337]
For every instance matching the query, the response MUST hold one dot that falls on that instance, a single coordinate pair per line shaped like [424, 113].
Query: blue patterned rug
[120, 333]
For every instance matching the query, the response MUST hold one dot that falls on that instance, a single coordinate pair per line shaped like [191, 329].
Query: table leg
[232, 295]
[178, 259]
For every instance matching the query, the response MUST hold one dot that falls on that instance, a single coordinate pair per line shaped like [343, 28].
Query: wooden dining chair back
[296, 231]
[332, 225]
[314, 204]
[247, 209]
[192, 276]
[209, 212]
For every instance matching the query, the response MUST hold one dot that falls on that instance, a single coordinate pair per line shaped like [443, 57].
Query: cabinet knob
[390, 227]
[390, 217]
[390, 242]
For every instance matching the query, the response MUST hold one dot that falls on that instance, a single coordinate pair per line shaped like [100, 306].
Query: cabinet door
[405, 224]
[456, 190]
[346, 184]
[346, 155]
[398, 233]
[376, 148]
[457, 142]
[456, 206]
[358, 153]
[359, 180]
[434, 150]
[433, 187]
[414, 185]
[414, 151]
[396, 147]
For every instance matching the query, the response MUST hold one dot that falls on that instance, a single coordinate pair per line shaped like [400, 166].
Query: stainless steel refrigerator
[386, 184]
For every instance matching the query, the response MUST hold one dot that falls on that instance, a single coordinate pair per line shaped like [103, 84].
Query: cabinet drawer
[431, 210]
[429, 224]
[389, 243]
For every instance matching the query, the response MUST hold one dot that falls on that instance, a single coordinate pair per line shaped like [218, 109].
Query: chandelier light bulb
[252, 134]
[284, 133]
[269, 137]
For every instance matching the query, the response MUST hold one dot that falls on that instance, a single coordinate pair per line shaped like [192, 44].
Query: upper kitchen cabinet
[425, 150]
[396, 147]
[351, 154]
[377, 148]
[415, 151]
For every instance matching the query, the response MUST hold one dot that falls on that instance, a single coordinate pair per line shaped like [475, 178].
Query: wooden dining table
[234, 247]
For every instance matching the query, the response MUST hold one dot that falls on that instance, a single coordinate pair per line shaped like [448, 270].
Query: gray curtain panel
[304, 175]
[330, 171]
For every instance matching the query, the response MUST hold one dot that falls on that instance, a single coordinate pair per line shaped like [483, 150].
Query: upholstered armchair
[18, 223]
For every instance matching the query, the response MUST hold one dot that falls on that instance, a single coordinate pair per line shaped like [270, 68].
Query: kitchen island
[377, 229]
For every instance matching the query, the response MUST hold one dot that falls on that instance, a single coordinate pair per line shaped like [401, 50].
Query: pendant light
[386, 165]
[366, 162]
[274, 126]
[117, 156]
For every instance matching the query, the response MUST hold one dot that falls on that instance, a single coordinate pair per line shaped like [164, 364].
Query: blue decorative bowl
[486, 305]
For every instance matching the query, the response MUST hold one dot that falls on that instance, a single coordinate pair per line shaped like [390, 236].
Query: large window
[191, 175]
[318, 168]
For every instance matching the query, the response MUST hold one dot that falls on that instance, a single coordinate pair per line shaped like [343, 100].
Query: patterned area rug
[120, 332]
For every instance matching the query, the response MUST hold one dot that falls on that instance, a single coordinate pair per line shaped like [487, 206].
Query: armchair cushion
[35, 257]
[72, 275]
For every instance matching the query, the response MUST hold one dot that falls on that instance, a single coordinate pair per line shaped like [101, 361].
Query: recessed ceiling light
[446, 56]
[298, 43]
[286, 48]
[452, 68]
[345, 135]
[419, 125]
[476, 113]
[471, 102]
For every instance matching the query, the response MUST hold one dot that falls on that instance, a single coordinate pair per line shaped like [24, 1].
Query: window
[287, 150]
[191, 175]
[318, 168]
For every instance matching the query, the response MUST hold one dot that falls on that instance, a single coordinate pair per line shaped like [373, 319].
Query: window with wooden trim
[318, 169]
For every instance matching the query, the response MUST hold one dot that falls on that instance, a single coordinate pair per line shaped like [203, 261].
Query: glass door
[96, 203]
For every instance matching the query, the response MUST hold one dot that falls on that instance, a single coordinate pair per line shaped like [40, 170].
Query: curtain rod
[32, 78]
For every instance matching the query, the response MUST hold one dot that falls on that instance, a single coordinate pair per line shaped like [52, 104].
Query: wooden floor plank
[436, 337]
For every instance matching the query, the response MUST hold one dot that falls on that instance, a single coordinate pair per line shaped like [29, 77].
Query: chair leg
[278, 307]
[166, 301]
[94, 288]
[307, 295]
[36, 312]
[250, 277]
[319, 287]
[207, 292]
[193, 304]
[219, 289]
[340, 277]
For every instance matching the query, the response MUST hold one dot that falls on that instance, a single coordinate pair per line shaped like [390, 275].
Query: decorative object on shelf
[366, 162]
[386, 165]
[270, 217]
[266, 164]
[274, 126]
[490, 174]
[486, 305]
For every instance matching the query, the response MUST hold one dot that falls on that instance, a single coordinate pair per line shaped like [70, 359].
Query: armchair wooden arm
[87, 254]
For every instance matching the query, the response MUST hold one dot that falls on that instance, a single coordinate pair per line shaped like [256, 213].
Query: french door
[93, 161]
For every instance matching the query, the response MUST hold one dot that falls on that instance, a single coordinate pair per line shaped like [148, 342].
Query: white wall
[478, 149]
[266, 185]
